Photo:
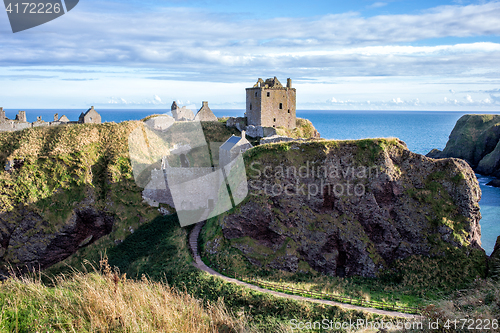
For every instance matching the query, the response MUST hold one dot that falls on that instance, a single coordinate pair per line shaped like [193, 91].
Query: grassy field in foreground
[159, 250]
[106, 301]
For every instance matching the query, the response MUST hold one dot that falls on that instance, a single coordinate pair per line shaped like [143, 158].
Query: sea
[421, 130]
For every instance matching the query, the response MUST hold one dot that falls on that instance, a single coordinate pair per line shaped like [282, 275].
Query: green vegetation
[304, 129]
[69, 167]
[159, 251]
[106, 301]
[414, 282]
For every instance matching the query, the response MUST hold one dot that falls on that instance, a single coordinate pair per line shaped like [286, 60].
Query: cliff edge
[348, 208]
[476, 139]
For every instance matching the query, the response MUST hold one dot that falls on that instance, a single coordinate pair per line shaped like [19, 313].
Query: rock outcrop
[351, 207]
[476, 139]
[63, 188]
[32, 244]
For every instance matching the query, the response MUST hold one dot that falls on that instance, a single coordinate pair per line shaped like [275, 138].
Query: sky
[340, 55]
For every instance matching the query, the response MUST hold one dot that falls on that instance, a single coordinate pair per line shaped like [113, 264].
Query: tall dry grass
[105, 301]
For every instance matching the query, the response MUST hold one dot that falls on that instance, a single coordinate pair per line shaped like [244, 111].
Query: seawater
[420, 130]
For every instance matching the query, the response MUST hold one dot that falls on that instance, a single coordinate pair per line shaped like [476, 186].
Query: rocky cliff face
[476, 139]
[63, 188]
[349, 207]
[32, 244]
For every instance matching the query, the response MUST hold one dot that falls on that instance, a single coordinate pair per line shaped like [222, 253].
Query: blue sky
[388, 55]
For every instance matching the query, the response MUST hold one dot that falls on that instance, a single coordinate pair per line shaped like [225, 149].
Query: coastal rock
[494, 182]
[476, 139]
[348, 208]
[490, 164]
[31, 244]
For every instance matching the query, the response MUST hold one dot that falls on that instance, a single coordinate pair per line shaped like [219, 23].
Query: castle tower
[2, 115]
[56, 117]
[21, 117]
[269, 104]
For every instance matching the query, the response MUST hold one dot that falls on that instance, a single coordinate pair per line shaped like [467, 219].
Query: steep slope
[66, 187]
[476, 139]
[348, 208]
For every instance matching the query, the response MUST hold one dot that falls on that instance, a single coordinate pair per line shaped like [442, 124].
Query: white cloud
[377, 5]
[156, 100]
[469, 99]
[150, 49]
[212, 45]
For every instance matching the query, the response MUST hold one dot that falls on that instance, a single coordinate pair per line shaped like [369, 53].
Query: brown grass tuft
[106, 301]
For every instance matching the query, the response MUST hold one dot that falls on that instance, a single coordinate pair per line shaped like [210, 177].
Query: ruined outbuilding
[205, 114]
[90, 117]
[269, 104]
[181, 114]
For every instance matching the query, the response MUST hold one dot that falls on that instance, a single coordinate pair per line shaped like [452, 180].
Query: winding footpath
[193, 243]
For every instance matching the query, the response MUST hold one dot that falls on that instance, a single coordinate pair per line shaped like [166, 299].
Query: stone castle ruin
[185, 114]
[269, 104]
[91, 116]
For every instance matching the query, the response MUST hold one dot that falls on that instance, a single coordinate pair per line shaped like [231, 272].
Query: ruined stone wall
[11, 125]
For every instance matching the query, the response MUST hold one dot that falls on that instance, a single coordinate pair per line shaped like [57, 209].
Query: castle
[91, 116]
[269, 104]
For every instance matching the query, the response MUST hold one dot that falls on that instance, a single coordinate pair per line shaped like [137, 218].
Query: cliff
[476, 139]
[348, 208]
[63, 188]
[66, 187]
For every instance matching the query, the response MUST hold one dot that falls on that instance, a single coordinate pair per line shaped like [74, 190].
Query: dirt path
[193, 243]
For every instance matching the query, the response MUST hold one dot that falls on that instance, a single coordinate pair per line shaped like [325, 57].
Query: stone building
[181, 114]
[205, 114]
[90, 117]
[269, 104]
[17, 124]
[234, 146]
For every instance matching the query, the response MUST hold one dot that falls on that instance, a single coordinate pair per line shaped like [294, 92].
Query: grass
[159, 251]
[69, 164]
[106, 301]
[468, 310]
[304, 129]
[413, 282]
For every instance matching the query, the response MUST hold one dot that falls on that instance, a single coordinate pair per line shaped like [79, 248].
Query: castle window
[281, 106]
[274, 120]
[288, 110]
[255, 94]
[250, 106]
[268, 94]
